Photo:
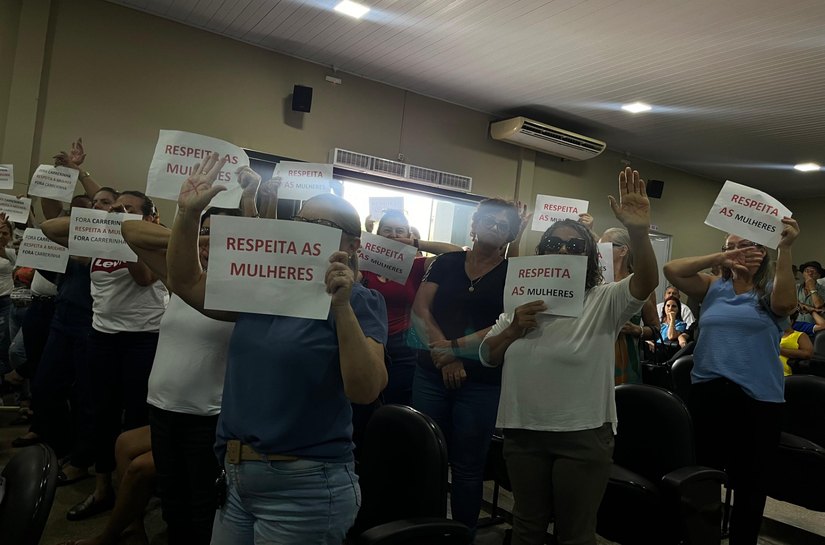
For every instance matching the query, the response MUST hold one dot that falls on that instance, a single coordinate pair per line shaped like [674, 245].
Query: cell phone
[220, 489]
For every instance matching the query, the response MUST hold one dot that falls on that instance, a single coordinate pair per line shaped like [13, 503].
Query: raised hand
[740, 260]
[249, 180]
[74, 158]
[198, 189]
[586, 220]
[339, 279]
[633, 206]
[271, 186]
[525, 217]
[789, 233]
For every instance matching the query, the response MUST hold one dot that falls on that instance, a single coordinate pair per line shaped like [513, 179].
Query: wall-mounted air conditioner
[547, 139]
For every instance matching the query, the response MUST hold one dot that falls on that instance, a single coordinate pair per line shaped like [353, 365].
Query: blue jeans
[287, 503]
[467, 417]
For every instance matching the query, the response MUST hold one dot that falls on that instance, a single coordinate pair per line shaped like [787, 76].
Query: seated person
[810, 328]
[672, 323]
[794, 346]
[686, 315]
[810, 293]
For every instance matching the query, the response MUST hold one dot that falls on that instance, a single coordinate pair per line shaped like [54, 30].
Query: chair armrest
[696, 492]
[406, 531]
[680, 479]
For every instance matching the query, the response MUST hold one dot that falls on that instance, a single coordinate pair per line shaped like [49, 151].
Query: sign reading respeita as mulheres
[748, 213]
[392, 260]
[301, 181]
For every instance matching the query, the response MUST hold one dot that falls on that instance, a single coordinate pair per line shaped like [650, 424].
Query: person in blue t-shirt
[285, 430]
[737, 387]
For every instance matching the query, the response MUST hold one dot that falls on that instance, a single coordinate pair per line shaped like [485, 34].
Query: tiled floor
[787, 524]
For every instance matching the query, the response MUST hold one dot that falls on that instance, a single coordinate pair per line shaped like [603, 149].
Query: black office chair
[495, 470]
[656, 493]
[403, 472]
[680, 375]
[30, 483]
[797, 474]
[815, 365]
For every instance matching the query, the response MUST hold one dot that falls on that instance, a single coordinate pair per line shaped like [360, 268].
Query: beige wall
[129, 74]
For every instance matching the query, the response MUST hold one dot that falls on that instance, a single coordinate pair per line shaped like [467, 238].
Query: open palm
[199, 189]
[633, 206]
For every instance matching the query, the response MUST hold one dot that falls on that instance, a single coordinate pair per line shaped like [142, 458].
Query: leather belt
[237, 452]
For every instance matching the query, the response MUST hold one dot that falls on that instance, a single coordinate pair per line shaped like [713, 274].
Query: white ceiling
[736, 85]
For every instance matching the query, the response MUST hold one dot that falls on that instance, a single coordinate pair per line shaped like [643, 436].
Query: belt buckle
[233, 451]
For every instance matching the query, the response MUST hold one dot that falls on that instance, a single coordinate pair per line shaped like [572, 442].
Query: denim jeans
[467, 417]
[287, 503]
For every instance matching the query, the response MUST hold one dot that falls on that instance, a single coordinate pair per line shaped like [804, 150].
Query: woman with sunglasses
[737, 380]
[557, 405]
[628, 363]
[285, 429]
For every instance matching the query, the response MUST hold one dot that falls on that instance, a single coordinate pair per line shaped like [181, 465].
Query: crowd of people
[253, 414]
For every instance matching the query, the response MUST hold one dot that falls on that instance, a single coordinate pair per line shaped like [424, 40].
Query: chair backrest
[403, 468]
[805, 407]
[680, 374]
[31, 480]
[819, 345]
[655, 432]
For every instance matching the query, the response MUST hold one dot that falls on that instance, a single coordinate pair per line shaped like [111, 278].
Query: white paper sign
[748, 213]
[6, 176]
[391, 259]
[550, 209]
[16, 209]
[605, 250]
[269, 266]
[96, 233]
[379, 205]
[557, 279]
[175, 156]
[301, 181]
[54, 183]
[38, 252]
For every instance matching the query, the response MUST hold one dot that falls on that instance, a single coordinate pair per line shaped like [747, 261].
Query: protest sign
[269, 266]
[556, 279]
[38, 252]
[6, 176]
[96, 233]
[54, 183]
[551, 209]
[175, 156]
[379, 205]
[391, 259]
[17, 210]
[301, 181]
[605, 250]
[748, 213]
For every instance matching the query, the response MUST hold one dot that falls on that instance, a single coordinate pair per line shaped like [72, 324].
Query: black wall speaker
[654, 188]
[301, 98]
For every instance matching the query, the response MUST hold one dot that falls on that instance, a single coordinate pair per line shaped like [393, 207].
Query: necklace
[473, 283]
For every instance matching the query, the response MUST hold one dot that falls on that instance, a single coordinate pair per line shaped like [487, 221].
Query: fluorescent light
[352, 9]
[636, 107]
[807, 167]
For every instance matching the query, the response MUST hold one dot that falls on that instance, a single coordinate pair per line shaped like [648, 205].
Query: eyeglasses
[204, 231]
[325, 223]
[740, 246]
[617, 245]
[488, 222]
[399, 232]
[552, 245]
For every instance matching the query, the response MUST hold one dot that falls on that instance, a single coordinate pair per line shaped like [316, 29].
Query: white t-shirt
[190, 362]
[119, 303]
[560, 376]
[7, 272]
[687, 314]
[41, 286]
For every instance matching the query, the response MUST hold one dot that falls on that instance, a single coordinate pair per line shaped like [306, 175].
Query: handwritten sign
[17, 210]
[269, 266]
[379, 205]
[550, 209]
[54, 183]
[558, 280]
[391, 259]
[748, 213]
[605, 250]
[175, 156]
[96, 233]
[38, 252]
[6, 176]
[301, 181]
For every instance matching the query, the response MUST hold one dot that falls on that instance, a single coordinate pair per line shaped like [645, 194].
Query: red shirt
[399, 298]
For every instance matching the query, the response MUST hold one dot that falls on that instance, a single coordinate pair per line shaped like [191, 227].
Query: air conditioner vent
[388, 167]
[546, 138]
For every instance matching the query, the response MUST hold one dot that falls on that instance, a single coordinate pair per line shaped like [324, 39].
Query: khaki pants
[557, 476]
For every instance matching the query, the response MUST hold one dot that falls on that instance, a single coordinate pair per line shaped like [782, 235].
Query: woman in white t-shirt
[557, 406]
[8, 257]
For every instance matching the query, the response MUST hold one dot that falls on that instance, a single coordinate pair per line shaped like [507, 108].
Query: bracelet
[84, 174]
[454, 345]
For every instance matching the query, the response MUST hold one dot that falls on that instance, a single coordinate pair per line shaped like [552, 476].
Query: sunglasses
[325, 223]
[204, 231]
[741, 246]
[488, 222]
[552, 245]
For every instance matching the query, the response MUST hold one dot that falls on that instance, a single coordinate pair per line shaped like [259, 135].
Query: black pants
[183, 448]
[36, 326]
[739, 435]
[119, 366]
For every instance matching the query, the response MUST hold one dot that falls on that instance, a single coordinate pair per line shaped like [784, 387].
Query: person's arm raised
[73, 160]
[57, 230]
[633, 210]
[783, 296]
[149, 241]
[249, 180]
